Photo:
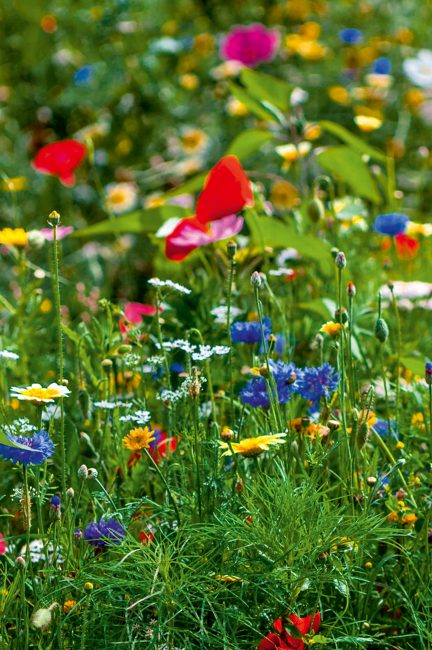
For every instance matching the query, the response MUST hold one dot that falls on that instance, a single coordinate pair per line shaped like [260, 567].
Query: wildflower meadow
[215, 308]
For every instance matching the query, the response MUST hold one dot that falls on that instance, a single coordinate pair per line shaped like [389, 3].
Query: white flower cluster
[178, 344]
[157, 282]
[138, 417]
[20, 427]
[198, 352]
[38, 549]
[110, 406]
[221, 313]
[131, 360]
[181, 392]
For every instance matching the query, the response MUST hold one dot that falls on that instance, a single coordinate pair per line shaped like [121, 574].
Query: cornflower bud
[428, 373]
[83, 471]
[340, 260]
[381, 330]
[351, 289]
[256, 280]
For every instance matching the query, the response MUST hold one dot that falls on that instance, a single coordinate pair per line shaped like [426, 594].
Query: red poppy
[162, 447]
[3, 545]
[60, 159]
[226, 191]
[406, 247]
[284, 640]
[146, 538]
[135, 310]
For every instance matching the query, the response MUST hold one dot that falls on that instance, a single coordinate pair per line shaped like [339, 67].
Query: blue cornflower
[102, 533]
[392, 223]
[250, 331]
[55, 502]
[382, 428]
[314, 383]
[278, 346]
[255, 392]
[176, 368]
[38, 448]
[382, 65]
[83, 75]
[351, 36]
[428, 373]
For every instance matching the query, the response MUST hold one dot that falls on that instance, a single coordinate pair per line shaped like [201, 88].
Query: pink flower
[250, 45]
[62, 232]
[190, 234]
[135, 310]
[3, 545]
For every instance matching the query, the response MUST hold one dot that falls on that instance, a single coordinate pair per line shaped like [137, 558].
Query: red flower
[226, 191]
[3, 545]
[60, 159]
[406, 247]
[286, 641]
[135, 310]
[162, 447]
[146, 538]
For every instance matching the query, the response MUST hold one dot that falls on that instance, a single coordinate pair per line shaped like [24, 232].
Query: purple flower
[102, 533]
[35, 449]
[250, 45]
[314, 383]
[255, 393]
[351, 36]
[382, 65]
[382, 428]
[250, 331]
[55, 502]
[391, 223]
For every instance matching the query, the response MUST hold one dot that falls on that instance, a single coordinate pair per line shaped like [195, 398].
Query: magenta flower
[62, 232]
[250, 45]
[190, 234]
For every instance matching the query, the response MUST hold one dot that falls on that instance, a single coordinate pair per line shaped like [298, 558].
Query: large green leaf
[148, 220]
[267, 231]
[352, 140]
[414, 364]
[346, 164]
[248, 142]
[266, 88]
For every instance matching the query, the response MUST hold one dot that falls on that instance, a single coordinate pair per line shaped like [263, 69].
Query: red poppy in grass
[146, 538]
[284, 640]
[162, 446]
[406, 247]
[60, 159]
[226, 192]
[3, 545]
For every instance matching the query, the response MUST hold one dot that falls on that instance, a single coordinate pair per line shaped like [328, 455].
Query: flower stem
[162, 477]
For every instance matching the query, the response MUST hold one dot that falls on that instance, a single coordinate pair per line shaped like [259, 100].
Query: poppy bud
[381, 330]
[20, 562]
[315, 209]
[92, 473]
[107, 364]
[351, 289]
[338, 314]
[124, 349]
[83, 471]
[231, 249]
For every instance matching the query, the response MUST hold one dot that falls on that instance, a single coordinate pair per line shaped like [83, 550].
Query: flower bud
[35, 239]
[351, 289]
[83, 471]
[239, 486]
[371, 480]
[340, 260]
[124, 349]
[231, 249]
[20, 562]
[362, 435]
[53, 218]
[78, 534]
[256, 280]
[338, 315]
[106, 364]
[428, 373]
[227, 434]
[70, 493]
[381, 330]
[92, 473]
[88, 587]
[315, 210]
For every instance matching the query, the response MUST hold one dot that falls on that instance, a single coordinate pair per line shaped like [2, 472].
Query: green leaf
[266, 88]
[414, 364]
[352, 140]
[319, 638]
[4, 440]
[148, 220]
[248, 142]
[268, 231]
[318, 307]
[252, 104]
[346, 164]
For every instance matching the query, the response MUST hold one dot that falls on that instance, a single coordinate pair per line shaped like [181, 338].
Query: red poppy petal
[67, 179]
[60, 159]
[302, 624]
[316, 622]
[278, 625]
[186, 236]
[227, 190]
[271, 642]
[135, 310]
[226, 227]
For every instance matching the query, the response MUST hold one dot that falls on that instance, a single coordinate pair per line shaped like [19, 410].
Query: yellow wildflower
[189, 81]
[13, 237]
[331, 328]
[139, 439]
[339, 95]
[193, 140]
[284, 195]
[409, 520]
[424, 229]
[68, 606]
[367, 123]
[45, 306]
[392, 517]
[236, 108]
[253, 446]
[14, 184]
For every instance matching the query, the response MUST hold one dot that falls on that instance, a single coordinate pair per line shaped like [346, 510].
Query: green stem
[161, 476]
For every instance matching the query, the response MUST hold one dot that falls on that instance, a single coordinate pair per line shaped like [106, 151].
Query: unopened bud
[54, 218]
[239, 486]
[70, 492]
[428, 373]
[315, 210]
[381, 330]
[340, 260]
[227, 434]
[256, 280]
[231, 249]
[92, 473]
[338, 316]
[106, 364]
[371, 480]
[83, 471]
[124, 349]
[20, 561]
[351, 289]
[88, 587]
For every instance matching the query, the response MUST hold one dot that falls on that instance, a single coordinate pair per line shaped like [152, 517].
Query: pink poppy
[60, 159]
[3, 545]
[190, 234]
[250, 45]
[135, 310]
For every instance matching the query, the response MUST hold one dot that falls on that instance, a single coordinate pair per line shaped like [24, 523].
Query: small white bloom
[419, 69]
[221, 314]
[157, 282]
[110, 406]
[5, 354]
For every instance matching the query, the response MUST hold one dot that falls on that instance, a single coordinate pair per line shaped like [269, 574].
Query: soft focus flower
[104, 532]
[424, 229]
[406, 247]
[250, 45]
[62, 232]
[419, 69]
[382, 428]
[60, 159]
[68, 606]
[284, 195]
[83, 75]
[134, 311]
[138, 439]
[351, 36]
[392, 223]
[34, 450]
[382, 65]
[252, 446]
[250, 331]
[255, 392]
[161, 446]
[340, 95]
[305, 43]
[284, 640]
[15, 184]
[13, 237]
[36, 394]
[3, 545]
[331, 328]
[121, 197]
[315, 383]
[367, 123]
[291, 152]
[193, 140]
[226, 191]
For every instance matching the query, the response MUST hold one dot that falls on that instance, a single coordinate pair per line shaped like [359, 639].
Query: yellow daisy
[331, 328]
[252, 446]
[367, 123]
[139, 439]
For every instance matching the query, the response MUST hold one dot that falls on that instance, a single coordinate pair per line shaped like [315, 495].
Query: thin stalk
[161, 476]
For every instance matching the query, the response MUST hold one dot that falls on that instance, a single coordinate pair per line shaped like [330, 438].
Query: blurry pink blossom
[62, 232]
[250, 45]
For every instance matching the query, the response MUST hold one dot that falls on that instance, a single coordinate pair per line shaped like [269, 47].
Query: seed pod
[315, 210]
[381, 330]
